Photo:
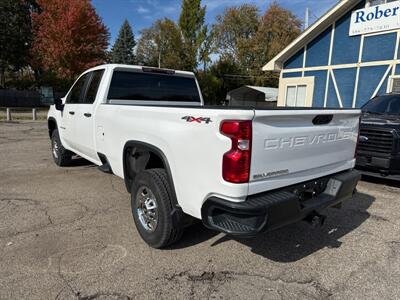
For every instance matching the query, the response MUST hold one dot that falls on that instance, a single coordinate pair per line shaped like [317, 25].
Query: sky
[142, 13]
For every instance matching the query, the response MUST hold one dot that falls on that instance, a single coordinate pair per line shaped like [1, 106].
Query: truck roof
[137, 67]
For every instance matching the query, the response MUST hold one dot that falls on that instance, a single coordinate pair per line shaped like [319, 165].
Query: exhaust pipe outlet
[315, 219]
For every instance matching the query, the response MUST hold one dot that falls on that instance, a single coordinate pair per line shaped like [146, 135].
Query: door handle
[71, 112]
[88, 115]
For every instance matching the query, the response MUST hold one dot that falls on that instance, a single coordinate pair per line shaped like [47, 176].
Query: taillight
[358, 137]
[236, 162]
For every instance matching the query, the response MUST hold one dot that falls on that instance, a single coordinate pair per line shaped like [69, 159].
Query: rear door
[84, 128]
[292, 146]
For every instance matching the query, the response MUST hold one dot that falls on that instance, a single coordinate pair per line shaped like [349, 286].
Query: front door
[69, 116]
[85, 125]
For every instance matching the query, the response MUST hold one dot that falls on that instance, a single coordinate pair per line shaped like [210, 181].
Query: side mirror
[59, 104]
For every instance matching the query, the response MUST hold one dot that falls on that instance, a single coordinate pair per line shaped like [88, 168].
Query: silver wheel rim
[55, 149]
[147, 210]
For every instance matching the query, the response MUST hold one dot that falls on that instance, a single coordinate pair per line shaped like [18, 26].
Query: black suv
[378, 152]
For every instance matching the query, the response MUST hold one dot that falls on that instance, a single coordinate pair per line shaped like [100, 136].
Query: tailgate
[292, 146]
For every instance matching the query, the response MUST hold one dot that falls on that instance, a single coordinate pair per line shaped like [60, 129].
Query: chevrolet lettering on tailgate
[300, 141]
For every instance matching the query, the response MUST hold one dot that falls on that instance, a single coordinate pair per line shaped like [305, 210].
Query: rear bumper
[271, 210]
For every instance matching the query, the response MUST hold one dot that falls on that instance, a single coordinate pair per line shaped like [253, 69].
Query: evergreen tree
[15, 35]
[123, 50]
[191, 23]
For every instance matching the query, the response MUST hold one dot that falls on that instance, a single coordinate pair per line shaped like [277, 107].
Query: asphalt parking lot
[68, 233]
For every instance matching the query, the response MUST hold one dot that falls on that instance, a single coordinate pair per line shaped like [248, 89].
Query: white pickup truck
[240, 170]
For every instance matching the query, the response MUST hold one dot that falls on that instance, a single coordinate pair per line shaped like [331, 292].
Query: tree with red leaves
[69, 37]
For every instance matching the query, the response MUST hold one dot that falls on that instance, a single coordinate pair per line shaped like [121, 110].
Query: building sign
[376, 18]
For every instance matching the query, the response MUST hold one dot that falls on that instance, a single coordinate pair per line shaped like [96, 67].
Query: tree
[207, 48]
[211, 87]
[234, 28]
[123, 50]
[161, 45]
[221, 77]
[69, 37]
[250, 41]
[191, 24]
[148, 52]
[277, 29]
[15, 35]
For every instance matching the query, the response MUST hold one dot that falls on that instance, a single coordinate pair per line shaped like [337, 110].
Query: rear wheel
[152, 209]
[62, 157]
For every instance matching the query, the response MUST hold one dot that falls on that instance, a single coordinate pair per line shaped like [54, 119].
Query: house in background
[347, 57]
[255, 96]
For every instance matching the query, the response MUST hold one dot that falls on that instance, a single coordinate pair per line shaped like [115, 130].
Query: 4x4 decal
[191, 119]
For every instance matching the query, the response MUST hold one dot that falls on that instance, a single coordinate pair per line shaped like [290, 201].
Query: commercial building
[347, 57]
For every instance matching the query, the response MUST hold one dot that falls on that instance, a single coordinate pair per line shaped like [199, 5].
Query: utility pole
[307, 18]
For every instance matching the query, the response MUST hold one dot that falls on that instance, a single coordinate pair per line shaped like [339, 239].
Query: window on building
[394, 85]
[296, 92]
[378, 2]
[296, 95]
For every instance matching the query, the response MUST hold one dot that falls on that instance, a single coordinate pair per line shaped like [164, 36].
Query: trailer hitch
[315, 219]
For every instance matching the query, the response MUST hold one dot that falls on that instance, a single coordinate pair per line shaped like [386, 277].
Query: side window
[77, 90]
[93, 87]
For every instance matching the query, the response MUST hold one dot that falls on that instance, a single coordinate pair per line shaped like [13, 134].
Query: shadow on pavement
[193, 235]
[80, 162]
[296, 241]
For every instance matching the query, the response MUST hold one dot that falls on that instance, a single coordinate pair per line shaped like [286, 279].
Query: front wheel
[152, 208]
[62, 157]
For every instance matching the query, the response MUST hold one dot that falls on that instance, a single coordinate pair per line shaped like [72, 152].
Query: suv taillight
[358, 137]
[236, 162]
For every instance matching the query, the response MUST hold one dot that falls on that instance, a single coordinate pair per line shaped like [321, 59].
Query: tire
[62, 157]
[153, 186]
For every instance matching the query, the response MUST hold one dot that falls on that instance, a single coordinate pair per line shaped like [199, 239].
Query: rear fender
[139, 156]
